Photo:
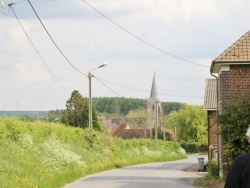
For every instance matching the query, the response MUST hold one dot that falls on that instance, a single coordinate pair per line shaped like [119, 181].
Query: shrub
[190, 147]
[234, 121]
[213, 168]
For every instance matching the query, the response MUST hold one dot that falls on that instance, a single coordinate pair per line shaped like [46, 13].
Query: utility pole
[175, 131]
[156, 120]
[90, 101]
[90, 75]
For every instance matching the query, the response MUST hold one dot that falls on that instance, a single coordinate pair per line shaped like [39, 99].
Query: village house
[231, 71]
[154, 110]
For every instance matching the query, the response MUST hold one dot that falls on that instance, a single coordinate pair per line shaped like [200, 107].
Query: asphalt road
[153, 175]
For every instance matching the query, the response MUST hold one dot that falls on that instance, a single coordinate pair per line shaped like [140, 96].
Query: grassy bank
[37, 154]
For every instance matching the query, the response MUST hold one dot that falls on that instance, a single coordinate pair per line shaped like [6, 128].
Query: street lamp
[90, 75]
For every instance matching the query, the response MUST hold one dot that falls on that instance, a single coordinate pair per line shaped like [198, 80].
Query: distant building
[153, 105]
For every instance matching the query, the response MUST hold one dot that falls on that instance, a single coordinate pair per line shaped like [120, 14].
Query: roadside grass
[37, 154]
[209, 181]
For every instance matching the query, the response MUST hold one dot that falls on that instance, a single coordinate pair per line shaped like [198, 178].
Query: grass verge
[209, 181]
[37, 154]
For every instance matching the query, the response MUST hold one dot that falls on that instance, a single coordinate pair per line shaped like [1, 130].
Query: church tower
[153, 105]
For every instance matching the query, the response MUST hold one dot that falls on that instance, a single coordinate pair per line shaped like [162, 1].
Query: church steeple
[154, 105]
[154, 92]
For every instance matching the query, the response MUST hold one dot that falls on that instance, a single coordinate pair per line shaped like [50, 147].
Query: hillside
[38, 154]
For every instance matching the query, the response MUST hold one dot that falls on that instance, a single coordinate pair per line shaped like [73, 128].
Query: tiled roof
[239, 51]
[134, 133]
[210, 95]
[119, 129]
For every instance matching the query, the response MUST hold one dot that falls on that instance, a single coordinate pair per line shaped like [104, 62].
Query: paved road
[156, 175]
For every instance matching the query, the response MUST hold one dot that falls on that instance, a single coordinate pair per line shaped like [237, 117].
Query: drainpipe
[217, 127]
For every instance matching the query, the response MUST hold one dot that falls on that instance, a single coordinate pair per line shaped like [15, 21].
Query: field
[38, 154]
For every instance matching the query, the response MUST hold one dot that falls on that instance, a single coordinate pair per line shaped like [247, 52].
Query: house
[210, 107]
[232, 72]
[125, 132]
[111, 123]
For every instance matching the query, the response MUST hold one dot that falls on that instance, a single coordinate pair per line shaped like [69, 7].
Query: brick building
[210, 107]
[232, 71]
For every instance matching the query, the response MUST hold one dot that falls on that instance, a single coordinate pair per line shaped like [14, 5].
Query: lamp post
[90, 75]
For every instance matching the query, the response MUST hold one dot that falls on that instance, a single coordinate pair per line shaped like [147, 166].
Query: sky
[43, 61]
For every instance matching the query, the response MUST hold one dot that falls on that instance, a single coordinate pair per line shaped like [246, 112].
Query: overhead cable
[107, 86]
[54, 41]
[147, 91]
[142, 40]
[46, 66]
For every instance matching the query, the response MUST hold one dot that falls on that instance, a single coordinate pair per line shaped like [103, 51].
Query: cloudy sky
[176, 39]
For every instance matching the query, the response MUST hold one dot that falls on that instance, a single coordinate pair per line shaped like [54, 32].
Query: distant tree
[138, 118]
[77, 112]
[118, 105]
[168, 107]
[191, 122]
[55, 115]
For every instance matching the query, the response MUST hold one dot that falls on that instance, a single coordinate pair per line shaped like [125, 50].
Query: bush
[234, 121]
[190, 147]
[213, 168]
[39, 154]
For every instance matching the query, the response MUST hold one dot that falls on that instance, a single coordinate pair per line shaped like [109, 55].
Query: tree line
[190, 119]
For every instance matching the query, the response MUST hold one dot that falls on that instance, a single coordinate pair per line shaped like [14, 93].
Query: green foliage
[77, 110]
[213, 168]
[138, 118]
[191, 124]
[234, 121]
[77, 113]
[168, 107]
[43, 154]
[190, 147]
[55, 115]
[118, 105]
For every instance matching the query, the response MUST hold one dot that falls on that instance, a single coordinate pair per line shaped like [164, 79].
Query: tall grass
[37, 154]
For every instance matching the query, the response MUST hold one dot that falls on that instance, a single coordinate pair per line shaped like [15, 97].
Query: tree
[77, 112]
[138, 118]
[234, 122]
[191, 124]
[168, 107]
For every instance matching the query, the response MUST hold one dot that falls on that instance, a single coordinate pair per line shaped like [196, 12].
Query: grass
[209, 181]
[37, 154]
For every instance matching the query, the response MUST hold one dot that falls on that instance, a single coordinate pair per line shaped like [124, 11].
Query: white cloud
[196, 30]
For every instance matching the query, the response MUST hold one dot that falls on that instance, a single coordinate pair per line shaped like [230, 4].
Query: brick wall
[212, 137]
[234, 84]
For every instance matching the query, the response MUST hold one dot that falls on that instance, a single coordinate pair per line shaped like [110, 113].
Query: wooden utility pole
[156, 120]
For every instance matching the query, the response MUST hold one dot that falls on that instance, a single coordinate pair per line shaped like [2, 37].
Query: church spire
[154, 92]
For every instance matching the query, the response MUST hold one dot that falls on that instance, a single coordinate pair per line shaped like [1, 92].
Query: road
[156, 175]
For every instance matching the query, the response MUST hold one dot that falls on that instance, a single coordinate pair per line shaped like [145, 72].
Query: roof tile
[239, 51]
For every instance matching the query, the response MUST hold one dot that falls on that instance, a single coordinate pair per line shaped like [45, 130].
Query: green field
[38, 154]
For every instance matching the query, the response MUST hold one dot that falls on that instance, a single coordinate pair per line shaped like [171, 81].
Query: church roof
[154, 91]
[237, 53]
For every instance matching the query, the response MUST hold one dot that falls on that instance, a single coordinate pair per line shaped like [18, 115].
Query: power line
[44, 63]
[145, 90]
[103, 79]
[107, 86]
[54, 41]
[142, 40]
